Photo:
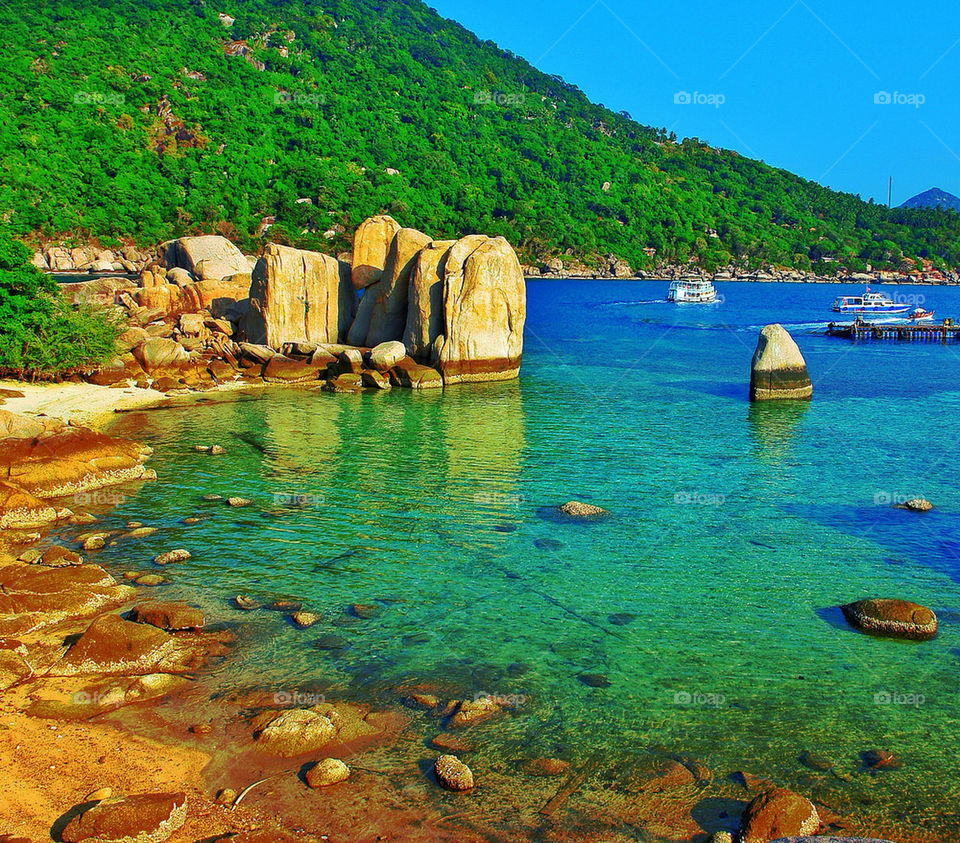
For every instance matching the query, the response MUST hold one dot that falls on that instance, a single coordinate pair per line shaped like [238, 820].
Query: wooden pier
[943, 332]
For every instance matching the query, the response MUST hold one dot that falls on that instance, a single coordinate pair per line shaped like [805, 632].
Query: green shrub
[40, 333]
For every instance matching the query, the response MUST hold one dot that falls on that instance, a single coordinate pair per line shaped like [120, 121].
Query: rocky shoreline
[129, 260]
[79, 644]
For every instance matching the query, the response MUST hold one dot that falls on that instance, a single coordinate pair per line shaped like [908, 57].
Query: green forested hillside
[130, 118]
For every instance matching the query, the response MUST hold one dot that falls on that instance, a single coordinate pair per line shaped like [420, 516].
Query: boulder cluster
[404, 310]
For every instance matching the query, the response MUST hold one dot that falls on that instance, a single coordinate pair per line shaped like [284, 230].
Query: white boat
[692, 290]
[868, 303]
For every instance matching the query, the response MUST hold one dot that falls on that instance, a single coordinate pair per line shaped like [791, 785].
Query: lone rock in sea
[778, 370]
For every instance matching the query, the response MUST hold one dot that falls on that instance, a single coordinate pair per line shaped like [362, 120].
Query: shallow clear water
[735, 529]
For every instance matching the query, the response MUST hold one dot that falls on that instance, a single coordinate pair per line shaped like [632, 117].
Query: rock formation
[370, 246]
[484, 308]
[425, 300]
[382, 313]
[209, 257]
[778, 370]
[299, 296]
[51, 460]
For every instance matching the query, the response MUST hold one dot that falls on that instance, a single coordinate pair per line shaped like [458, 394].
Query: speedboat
[868, 303]
[920, 315]
[692, 289]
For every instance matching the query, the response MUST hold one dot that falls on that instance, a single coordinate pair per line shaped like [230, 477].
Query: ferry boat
[868, 303]
[692, 290]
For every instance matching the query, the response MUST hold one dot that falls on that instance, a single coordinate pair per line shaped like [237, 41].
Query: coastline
[148, 745]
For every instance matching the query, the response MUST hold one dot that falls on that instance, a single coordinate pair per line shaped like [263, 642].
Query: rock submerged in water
[453, 774]
[778, 370]
[171, 557]
[778, 813]
[916, 505]
[295, 732]
[145, 818]
[892, 618]
[327, 772]
[578, 509]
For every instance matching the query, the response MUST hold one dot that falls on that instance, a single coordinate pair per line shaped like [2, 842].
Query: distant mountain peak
[933, 198]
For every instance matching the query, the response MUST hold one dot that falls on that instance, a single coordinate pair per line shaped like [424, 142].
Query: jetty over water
[942, 332]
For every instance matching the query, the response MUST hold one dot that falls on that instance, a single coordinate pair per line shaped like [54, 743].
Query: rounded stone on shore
[226, 796]
[892, 618]
[327, 772]
[453, 774]
[778, 370]
[99, 795]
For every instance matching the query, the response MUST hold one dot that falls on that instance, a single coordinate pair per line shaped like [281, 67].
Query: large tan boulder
[382, 314]
[425, 299]
[370, 246]
[485, 308]
[778, 370]
[299, 296]
[209, 257]
[158, 354]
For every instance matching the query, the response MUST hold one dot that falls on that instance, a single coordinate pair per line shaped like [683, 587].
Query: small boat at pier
[869, 303]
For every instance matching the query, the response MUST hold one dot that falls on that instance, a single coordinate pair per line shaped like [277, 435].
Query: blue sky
[846, 93]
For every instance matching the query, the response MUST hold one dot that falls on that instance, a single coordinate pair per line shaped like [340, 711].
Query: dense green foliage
[40, 334]
[127, 117]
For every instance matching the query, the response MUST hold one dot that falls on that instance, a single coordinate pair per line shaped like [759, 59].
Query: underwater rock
[892, 618]
[578, 509]
[326, 772]
[453, 774]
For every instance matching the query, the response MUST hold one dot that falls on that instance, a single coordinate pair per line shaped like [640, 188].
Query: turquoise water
[705, 600]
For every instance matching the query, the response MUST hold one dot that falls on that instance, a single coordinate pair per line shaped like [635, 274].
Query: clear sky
[846, 93]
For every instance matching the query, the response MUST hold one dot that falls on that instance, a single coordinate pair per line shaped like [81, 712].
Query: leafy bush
[40, 333]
